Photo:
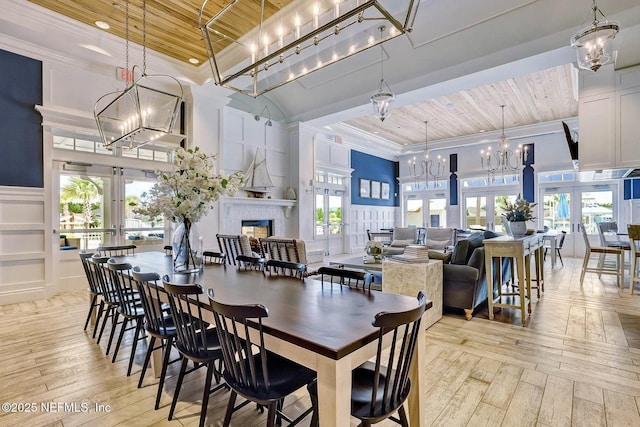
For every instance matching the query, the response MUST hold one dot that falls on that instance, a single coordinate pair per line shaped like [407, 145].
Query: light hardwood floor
[575, 364]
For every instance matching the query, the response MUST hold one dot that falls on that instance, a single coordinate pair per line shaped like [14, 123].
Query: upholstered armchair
[439, 238]
[402, 236]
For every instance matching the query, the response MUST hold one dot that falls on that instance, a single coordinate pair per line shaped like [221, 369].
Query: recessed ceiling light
[103, 25]
[194, 60]
[482, 130]
[376, 132]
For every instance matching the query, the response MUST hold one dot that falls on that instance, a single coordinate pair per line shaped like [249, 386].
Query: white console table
[409, 278]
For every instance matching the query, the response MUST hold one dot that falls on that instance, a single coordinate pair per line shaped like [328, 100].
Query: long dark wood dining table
[322, 326]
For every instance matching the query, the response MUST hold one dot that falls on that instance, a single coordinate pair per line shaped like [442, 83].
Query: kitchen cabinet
[609, 123]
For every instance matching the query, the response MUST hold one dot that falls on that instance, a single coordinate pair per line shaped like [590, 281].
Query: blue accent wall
[632, 188]
[528, 176]
[366, 166]
[20, 123]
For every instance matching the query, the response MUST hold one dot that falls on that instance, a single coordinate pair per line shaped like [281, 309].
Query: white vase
[518, 228]
[187, 248]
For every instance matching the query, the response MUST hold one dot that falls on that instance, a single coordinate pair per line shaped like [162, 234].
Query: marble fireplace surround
[237, 209]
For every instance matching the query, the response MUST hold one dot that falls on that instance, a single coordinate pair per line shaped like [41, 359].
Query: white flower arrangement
[186, 194]
[374, 244]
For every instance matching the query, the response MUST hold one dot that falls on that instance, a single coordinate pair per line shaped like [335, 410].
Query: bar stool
[634, 240]
[617, 269]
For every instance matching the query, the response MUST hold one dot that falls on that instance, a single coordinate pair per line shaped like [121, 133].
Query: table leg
[553, 252]
[334, 391]
[521, 287]
[417, 398]
[488, 268]
[527, 269]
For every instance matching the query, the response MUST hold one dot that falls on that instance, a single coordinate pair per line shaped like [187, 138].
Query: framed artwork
[384, 190]
[375, 189]
[365, 188]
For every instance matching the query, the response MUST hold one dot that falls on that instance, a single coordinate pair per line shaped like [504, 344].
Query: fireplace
[257, 228]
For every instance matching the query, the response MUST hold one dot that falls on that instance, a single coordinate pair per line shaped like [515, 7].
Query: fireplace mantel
[228, 202]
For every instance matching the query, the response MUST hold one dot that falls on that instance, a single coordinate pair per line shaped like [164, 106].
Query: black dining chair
[343, 276]
[159, 324]
[275, 267]
[118, 250]
[196, 340]
[212, 257]
[250, 369]
[558, 248]
[246, 262]
[96, 305]
[129, 307]
[109, 296]
[380, 388]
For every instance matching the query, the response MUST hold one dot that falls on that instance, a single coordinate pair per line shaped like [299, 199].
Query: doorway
[329, 220]
[565, 206]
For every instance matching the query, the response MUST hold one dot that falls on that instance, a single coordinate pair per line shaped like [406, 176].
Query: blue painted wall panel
[20, 123]
[366, 166]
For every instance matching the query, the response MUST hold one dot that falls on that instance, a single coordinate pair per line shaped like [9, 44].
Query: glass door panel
[414, 212]
[437, 212]
[329, 219]
[499, 207]
[476, 212]
[85, 211]
[557, 211]
[140, 227]
[335, 215]
[596, 206]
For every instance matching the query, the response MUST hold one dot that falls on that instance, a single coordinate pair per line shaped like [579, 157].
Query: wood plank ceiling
[172, 26]
[172, 29]
[535, 98]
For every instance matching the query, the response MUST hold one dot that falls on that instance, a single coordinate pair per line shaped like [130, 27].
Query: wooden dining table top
[328, 319]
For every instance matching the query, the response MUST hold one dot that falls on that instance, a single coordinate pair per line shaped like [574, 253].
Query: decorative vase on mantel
[187, 248]
[518, 228]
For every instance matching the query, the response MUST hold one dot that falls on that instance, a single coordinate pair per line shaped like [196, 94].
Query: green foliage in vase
[520, 210]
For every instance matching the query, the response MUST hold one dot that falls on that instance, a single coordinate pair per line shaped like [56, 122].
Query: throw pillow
[490, 234]
[459, 254]
[402, 243]
[475, 241]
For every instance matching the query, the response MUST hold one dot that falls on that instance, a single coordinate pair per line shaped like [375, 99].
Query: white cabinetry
[628, 127]
[609, 115]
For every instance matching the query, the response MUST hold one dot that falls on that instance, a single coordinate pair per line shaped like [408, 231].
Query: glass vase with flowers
[184, 196]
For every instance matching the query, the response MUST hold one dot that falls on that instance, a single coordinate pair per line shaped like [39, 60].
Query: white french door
[97, 207]
[567, 205]
[426, 210]
[483, 209]
[329, 219]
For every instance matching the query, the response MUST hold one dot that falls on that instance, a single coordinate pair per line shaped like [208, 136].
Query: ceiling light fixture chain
[594, 42]
[126, 43]
[144, 36]
[146, 111]
[503, 160]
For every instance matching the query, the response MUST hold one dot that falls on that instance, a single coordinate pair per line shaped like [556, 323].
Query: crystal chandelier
[593, 43]
[429, 164]
[255, 46]
[503, 160]
[146, 111]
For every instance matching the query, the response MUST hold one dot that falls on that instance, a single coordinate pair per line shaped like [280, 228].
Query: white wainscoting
[372, 218]
[22, 244]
